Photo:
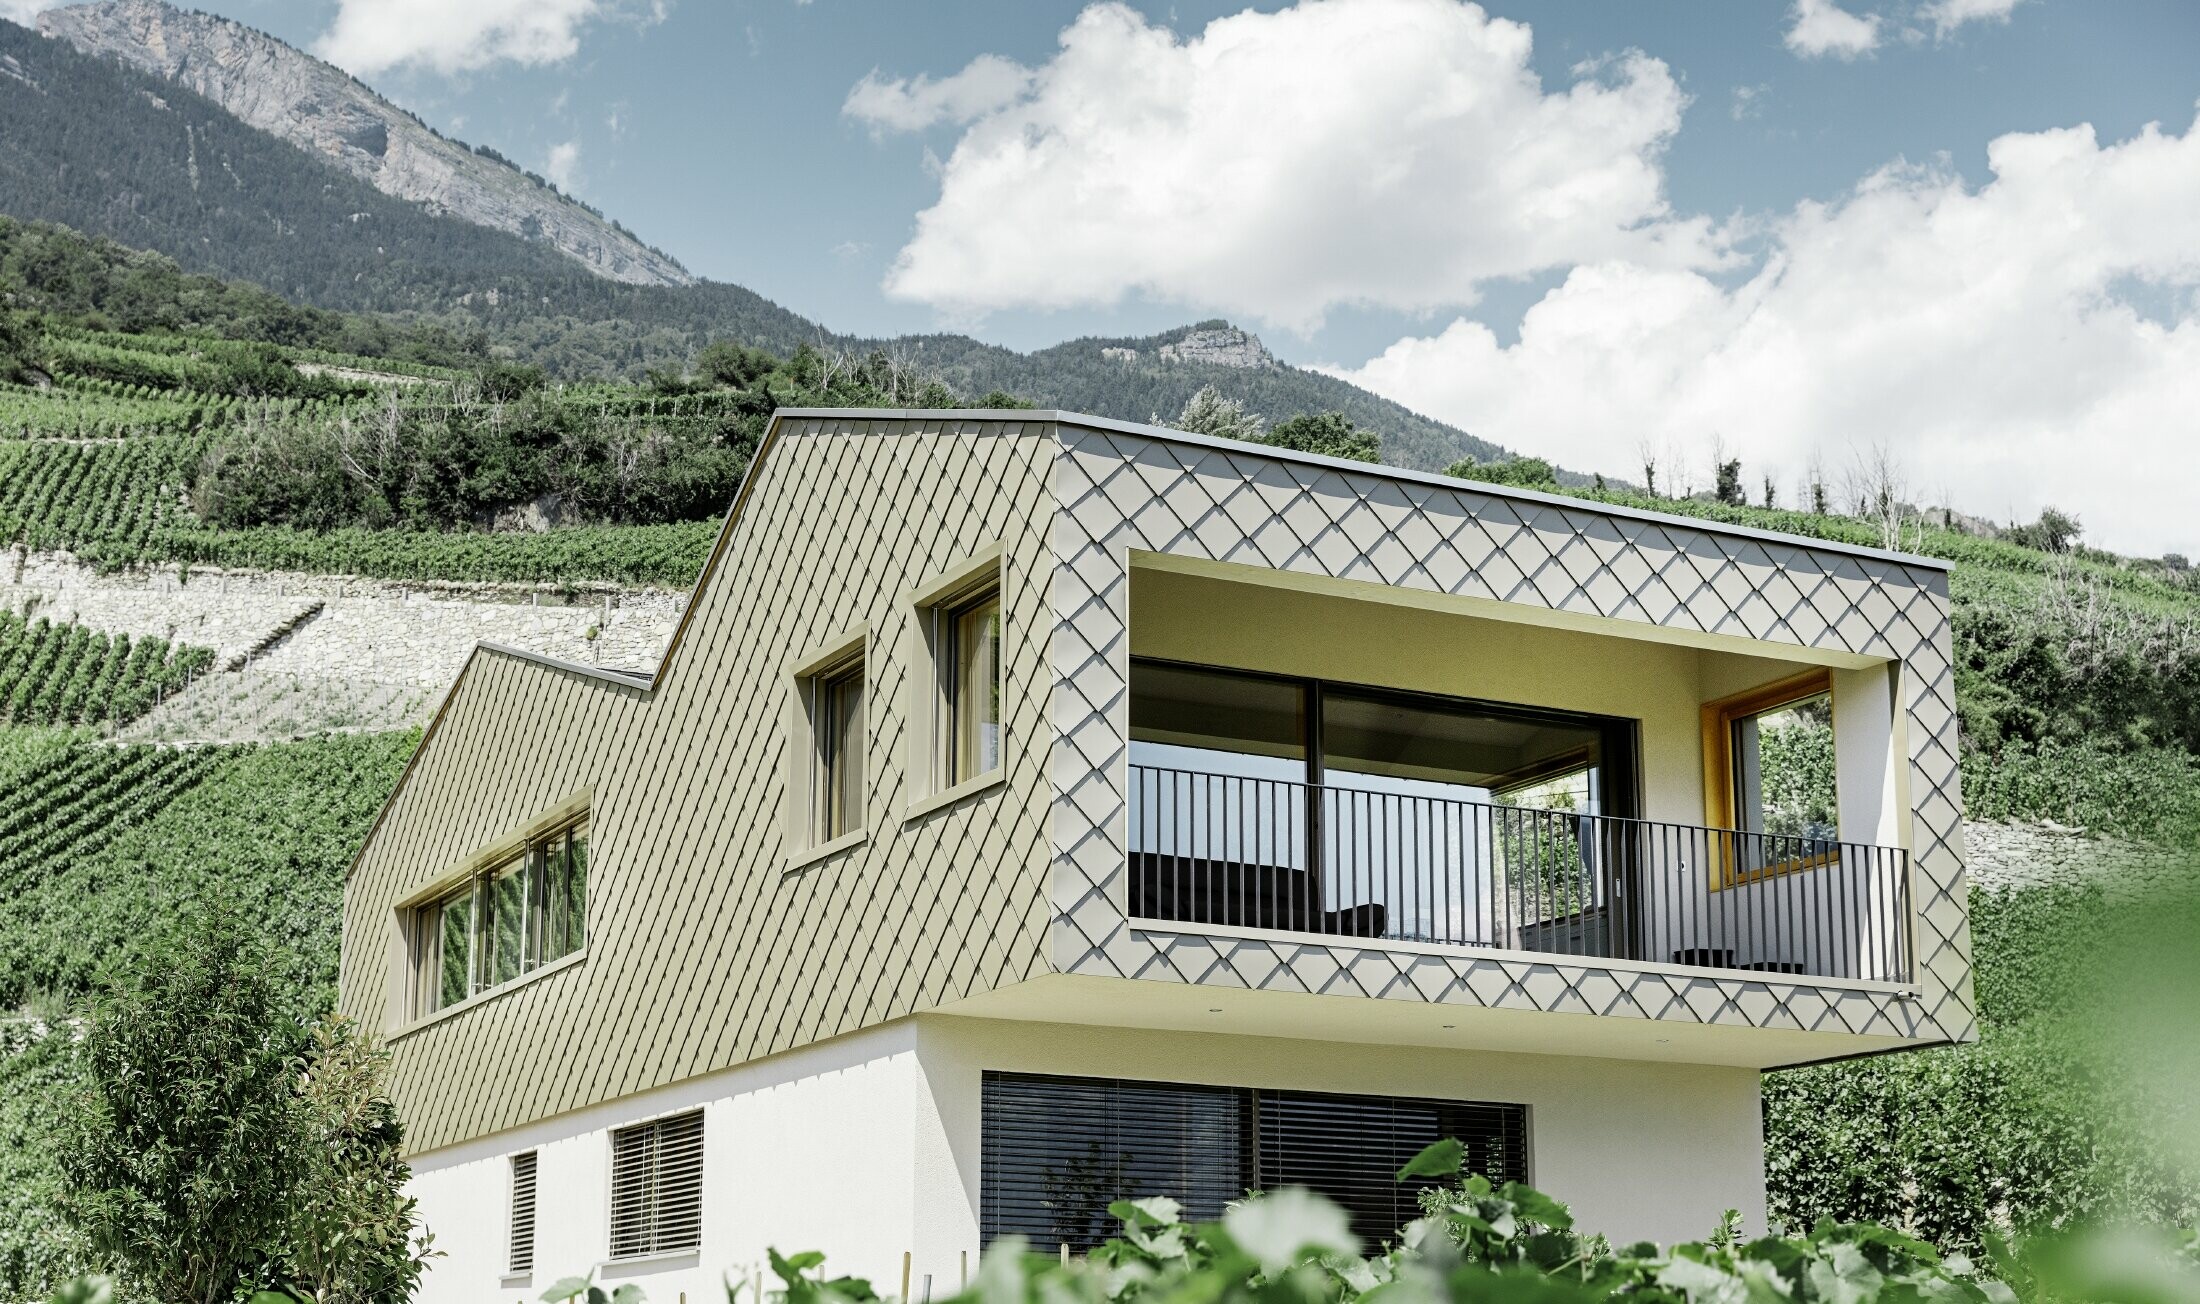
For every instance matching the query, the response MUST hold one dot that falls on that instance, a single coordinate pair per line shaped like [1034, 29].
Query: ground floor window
[657, 1186]
[1056, 1151]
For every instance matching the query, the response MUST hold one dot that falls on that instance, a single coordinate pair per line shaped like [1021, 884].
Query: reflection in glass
[977, 691]
[1783, 771]
[456, 926]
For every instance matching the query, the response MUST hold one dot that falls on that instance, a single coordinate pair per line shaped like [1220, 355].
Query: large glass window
[974, 702]
[1774, 778]
[1302, 805]
[1055, 1151]
[505, 922]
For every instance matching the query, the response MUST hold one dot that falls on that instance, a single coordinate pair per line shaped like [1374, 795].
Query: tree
[17, 340]
[733, 365]
[351, 1225]
[1209, 413]
[1728, 482]
[1331, 434]
[182, 1158]
[1525, 472]
[2055, 531]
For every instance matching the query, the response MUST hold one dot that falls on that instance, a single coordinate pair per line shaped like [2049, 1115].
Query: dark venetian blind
[1350, 1148]
[1057, 1151]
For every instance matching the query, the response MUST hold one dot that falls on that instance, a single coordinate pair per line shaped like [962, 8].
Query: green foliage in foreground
[218, 1143]
[2075, 1102]
[102, 847]
[1491, 1245]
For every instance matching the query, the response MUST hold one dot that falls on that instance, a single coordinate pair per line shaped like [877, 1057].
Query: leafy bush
[218, 1143]
[179, 1160]
[2074, 1104]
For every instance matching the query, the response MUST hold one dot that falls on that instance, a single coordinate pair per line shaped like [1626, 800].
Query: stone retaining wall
[375, 631]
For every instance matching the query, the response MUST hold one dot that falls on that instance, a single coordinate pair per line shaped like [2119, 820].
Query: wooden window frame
[808, 769]
[1720, 813]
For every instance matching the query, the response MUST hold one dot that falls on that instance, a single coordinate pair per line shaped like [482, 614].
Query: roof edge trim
[1166, 435]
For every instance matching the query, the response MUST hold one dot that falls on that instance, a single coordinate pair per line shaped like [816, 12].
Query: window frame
[527, 853]
[809, 835]
[1722, 802]
[1023, 1114]
[934, 709]
[655, 1176]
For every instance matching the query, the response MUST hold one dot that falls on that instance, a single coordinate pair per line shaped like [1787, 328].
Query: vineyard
[98, 841]
[67, 674]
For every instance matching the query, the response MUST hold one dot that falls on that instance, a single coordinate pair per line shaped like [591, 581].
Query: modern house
[1034, 809]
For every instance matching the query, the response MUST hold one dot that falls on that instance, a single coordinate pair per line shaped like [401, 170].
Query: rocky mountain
[122, 144]
[324, 111]
[1150, 377]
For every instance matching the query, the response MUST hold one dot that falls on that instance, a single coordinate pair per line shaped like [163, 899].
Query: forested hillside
[114, 151]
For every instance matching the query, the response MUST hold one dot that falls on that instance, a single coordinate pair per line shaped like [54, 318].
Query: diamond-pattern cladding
[695, 962]
[1229, 505]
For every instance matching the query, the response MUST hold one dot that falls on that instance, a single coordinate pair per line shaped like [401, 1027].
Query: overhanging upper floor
[891, 763]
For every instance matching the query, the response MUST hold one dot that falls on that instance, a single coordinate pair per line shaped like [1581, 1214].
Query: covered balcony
[1302, 803]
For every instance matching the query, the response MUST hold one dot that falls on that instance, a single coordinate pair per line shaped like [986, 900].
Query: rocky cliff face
[1221, 346]
[327, 113]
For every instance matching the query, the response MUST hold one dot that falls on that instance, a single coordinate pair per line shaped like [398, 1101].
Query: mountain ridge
[101, 145]
[270, 84]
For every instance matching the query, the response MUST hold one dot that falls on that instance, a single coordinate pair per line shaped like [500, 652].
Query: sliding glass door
[1271, 802]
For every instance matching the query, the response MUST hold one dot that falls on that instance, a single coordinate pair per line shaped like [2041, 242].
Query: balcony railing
[1310, 858]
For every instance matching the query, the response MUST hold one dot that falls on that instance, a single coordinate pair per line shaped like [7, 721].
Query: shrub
[181, 1160]
[221, 1144]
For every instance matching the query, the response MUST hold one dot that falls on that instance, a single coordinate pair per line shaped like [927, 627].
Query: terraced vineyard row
[80, 800]
[103, 501]
[67, 674]
[119, 504]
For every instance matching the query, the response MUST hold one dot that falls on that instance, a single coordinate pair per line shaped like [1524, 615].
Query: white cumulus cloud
[1392, 153]
[373, 36]
[1947, 15]
[1817, 28]
[563, 167]
[989, 83]
[2030, 341]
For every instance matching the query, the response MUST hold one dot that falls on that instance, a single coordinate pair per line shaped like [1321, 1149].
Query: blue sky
[1664, 231]
[730, 150]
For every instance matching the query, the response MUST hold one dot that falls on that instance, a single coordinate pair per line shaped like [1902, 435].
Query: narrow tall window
[521, 1256]
[657, 1187]
[974, 695]
[524, 911]
[837, 718]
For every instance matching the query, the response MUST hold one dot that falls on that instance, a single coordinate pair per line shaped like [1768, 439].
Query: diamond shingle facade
[1123, 491]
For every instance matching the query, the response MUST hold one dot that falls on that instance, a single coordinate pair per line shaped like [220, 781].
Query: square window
[657, 1186]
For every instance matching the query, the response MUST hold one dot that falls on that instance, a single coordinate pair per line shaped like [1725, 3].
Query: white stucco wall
[869, 1145]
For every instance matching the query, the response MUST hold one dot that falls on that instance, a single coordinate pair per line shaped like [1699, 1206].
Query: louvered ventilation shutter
[1056, 1151]
[657, 1186]
[1350, 1149]
[522, 1258]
